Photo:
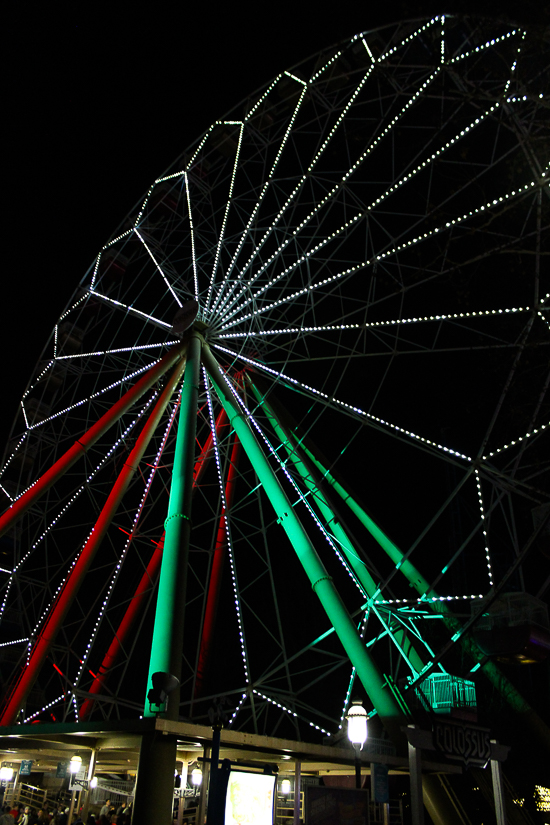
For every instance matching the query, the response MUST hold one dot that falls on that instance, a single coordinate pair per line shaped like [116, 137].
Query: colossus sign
[463, 743]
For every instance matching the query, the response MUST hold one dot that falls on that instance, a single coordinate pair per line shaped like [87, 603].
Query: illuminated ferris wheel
[357, 248]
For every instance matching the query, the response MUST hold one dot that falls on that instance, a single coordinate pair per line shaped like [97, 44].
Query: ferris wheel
[358, 246]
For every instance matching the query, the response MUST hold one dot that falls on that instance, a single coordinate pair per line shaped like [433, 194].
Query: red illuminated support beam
[80, 447]
[69, 591]
[215, 583]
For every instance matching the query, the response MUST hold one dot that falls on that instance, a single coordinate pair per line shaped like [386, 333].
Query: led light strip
[113, 351]
[482, 516]
[373, 324]
[421, 167]
[252, 217]
[395, 250]
[94, 395]
[131, 309]
[192, 234]
[141, 211]
[46, 707]
[518, 440]
[74, 306]
[486, 45]
[237, 709]
[12, 456]
[32, 386]
[332, 400]
[290, 712]
[234, 580]
[118, 238]
[159, 268]
[15, 642]
[226, 213]
[304, 177]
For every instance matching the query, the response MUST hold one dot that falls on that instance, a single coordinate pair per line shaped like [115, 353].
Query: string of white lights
[141, 211]
[422, 166]
[452, 316]
[192, 236]
[304, 177]
[71, 308]
[484, 46]
[234, 578]
[221, 233]
[289, 711]
[11, 457]
[234, 715]
[341, 404]
[123, 380]
[380, 257]
[484, 529]
[45, 707]
[132, 310]
[137, 348]
[158, 266]
[254, 212]
[118, 237]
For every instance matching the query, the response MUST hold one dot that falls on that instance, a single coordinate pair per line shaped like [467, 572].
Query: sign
[336, 806]
[62, 769]
[464, 743]
[26, 767]
[380, 784]
[249, 799]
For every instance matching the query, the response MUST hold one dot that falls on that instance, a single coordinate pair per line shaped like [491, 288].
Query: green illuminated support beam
[333, 526]
[157, 757]
[167, 645]
[372, 679]
[505, 687]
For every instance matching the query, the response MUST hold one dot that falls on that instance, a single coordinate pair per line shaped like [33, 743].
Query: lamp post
[357, 734]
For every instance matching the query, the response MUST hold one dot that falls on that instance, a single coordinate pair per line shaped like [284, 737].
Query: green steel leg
[420, 584]
[167, 642]
[333, 526]
[367, 670]
[157, 761]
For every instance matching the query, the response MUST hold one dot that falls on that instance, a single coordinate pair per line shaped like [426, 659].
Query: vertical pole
[201, 814]
[215, 808]
[415, 772]
[357, 768]
[496, 774]
[91, 768]
[71, 809]
[297, 792]
[157, 759]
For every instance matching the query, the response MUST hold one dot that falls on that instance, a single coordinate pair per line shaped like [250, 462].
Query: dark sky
[100, 100]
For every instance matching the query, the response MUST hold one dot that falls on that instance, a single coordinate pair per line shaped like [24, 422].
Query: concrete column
[415, 770]
[496, 773]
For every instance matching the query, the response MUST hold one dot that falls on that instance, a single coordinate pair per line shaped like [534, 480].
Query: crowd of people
[109, 814]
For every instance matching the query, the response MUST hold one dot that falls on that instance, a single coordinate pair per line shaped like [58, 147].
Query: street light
[285, 786]
[75, 764]
[6, 774]
[357, 734]
[196, 776]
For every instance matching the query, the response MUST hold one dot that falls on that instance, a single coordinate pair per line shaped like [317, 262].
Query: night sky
[99, 101]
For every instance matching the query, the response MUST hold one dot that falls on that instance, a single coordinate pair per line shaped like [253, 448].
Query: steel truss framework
[364, 238]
